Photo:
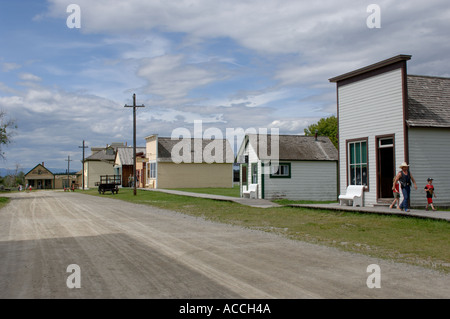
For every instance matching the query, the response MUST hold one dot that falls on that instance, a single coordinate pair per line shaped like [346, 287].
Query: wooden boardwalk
[264, 203]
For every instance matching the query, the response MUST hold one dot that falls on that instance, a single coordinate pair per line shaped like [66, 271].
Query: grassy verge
[4, 201]
[233, 192]
[403, 239]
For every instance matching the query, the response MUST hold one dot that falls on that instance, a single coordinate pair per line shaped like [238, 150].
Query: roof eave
[395, 59]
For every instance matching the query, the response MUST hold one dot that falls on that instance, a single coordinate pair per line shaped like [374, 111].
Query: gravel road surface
[125, 250]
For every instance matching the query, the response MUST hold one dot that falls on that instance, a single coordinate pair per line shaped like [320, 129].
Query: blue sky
[232, 64]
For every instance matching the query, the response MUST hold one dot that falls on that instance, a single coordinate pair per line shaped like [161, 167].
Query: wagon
[108, 183]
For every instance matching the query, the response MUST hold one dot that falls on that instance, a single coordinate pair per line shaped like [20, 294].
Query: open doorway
[385, 167]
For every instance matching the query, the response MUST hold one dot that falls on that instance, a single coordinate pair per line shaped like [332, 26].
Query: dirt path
[132, 251]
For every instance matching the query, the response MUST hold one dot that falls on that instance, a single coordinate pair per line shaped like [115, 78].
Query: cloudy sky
[230, 63]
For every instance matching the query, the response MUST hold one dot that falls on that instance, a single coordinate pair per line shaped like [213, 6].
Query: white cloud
[10, 66]
[29, 77]
[253, 99]
[210, 60]
[294, 126]
[168, 77]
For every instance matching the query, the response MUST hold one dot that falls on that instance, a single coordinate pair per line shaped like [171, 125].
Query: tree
[7, 130]
[325, 127]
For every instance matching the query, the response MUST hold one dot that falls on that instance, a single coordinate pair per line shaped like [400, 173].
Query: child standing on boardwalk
[396, 191]
[429, 188]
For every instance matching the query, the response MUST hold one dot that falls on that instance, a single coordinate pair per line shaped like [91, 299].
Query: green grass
[4, 201]
[231, 191]
[416, 241]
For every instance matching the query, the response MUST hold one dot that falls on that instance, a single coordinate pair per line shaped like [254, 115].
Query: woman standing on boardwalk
[405, 178]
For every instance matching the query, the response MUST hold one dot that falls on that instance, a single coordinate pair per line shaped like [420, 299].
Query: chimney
[43, 164]
[316, 134]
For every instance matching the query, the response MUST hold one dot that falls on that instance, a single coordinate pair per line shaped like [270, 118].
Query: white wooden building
[386, 117]
[305, 167]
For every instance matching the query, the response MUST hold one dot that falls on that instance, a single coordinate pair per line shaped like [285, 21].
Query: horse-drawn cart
[108, 183]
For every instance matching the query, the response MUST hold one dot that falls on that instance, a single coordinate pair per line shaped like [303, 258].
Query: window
[255, 173]
[282, 170]
[357, 163]
[152, 170]
[386, 142]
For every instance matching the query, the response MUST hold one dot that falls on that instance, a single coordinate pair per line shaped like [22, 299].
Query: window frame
[289, 175]
[253, 173]
[362, 164]
[152, 170]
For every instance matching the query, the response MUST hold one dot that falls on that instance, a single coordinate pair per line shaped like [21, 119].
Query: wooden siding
[150, 153]
[310, 180]
[429, 151]
[369, 108]
[194, 175]
[151, 147]
[94, 169]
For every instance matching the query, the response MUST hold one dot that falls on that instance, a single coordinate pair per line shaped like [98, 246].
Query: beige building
[61, 181]
[188, 163]
[101, 162]
[41, 177]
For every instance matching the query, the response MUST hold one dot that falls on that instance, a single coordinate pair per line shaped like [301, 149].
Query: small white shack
[305, 167]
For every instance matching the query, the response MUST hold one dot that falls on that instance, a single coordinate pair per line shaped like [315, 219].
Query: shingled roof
[428, 101]
[106, 155]
[299, 148]
[126, 154]
[166, 144]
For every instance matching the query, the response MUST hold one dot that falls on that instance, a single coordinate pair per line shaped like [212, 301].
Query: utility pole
[134, 106]
[83, 147]
[68, 170]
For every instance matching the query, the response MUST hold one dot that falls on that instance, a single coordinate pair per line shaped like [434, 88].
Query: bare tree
[7, 130]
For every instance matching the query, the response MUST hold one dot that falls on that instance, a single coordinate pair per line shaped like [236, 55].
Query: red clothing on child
[429, 189]
[397, 188]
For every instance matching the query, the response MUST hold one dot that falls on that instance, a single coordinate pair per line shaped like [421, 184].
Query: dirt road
[126, 250]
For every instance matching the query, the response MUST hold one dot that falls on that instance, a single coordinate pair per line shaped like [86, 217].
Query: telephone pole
[68, 170]
[82, 171]
[134, 106]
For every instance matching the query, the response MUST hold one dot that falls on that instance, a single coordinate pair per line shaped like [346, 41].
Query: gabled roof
[105, 155]
[296, 147]
[125, 154]
[42, 167]
[166, 144]
[428, 101]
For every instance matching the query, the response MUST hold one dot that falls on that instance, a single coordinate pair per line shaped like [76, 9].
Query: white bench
[353, 193]
[252, 191]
